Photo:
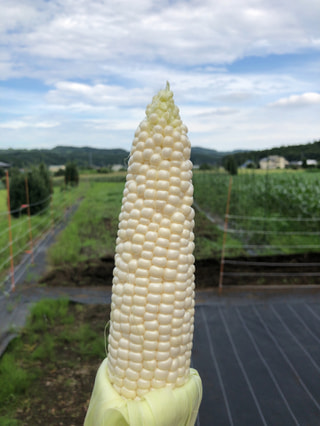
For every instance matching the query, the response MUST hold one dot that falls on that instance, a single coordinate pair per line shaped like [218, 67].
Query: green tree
[38, 189]
[44, 172]
[231, 165]
[71, 176]
[205, 166]
[17, 191]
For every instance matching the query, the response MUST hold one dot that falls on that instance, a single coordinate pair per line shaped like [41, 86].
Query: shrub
[71, 176]
[44, 172]
[231, 165]
[39, 188]
[205, 166]
[104, 170]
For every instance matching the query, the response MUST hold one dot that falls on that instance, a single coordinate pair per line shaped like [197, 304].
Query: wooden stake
[51, 207]
[29, 219]
[13, 286]
[224, 236]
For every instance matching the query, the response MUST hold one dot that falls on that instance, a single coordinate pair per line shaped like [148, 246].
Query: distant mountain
[209, 156]
[83, 157]
[86, 156]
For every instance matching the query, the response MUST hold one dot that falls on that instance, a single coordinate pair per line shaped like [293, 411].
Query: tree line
[60, 155]
[85, 157]
[300, 152]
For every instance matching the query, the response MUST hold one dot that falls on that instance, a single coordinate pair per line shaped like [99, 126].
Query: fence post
[29, 218]
[225, 230]
[51, 207]
[10, 233]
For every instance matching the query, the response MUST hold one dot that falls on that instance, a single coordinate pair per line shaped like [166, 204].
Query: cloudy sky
[245, 73]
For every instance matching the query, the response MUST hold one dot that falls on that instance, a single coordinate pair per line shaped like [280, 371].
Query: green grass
[50, 331]
[85, 340]
[15, 380]
[35, 343]
[88, 342]
[47, 312]
[92, 231]
[3, 199]
[208, 239]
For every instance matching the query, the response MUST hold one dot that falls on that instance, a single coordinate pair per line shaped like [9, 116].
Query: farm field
[270, 213]
[59, 353]
[273, 218]
[276, 213]
[84, 252]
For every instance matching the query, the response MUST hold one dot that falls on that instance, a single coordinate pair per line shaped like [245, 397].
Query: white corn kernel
[152, 305]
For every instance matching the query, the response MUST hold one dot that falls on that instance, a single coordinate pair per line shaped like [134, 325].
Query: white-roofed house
[273, 162]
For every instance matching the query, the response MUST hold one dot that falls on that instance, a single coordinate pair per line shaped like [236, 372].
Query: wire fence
[22, 234]
[297, 271]
[270, 225]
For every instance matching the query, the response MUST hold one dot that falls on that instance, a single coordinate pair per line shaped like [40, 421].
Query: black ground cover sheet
[259, 360]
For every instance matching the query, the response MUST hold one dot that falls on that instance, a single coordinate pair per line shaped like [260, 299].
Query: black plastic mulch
[259, 359]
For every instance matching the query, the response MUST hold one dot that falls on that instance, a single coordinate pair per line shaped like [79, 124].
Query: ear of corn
[152, 309]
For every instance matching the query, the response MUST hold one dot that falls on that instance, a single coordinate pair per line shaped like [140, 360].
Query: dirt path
[15, 304]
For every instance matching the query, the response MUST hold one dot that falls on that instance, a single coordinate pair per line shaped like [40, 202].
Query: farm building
[273, 162]
[308, 163]
[249, 164]
[116, 167]
[311, 163]
[54, 169]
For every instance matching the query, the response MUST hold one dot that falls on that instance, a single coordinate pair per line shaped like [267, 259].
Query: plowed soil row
[268, 270]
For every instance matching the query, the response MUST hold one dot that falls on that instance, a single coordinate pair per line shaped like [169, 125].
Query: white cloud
[69, 92]
[98, 33]
[113, 124]
[298, 100]
[17, 15]
[103, 61]
[22, 124]
[218, 89]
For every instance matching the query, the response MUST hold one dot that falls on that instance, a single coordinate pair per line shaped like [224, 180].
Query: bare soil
[92, 272]
[280, 270]
[61, 396]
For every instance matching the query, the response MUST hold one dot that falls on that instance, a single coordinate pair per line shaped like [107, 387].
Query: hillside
[83, 157]
[209, 156]
[86, 156]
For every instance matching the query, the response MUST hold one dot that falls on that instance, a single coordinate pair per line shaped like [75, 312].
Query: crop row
[271, 209]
